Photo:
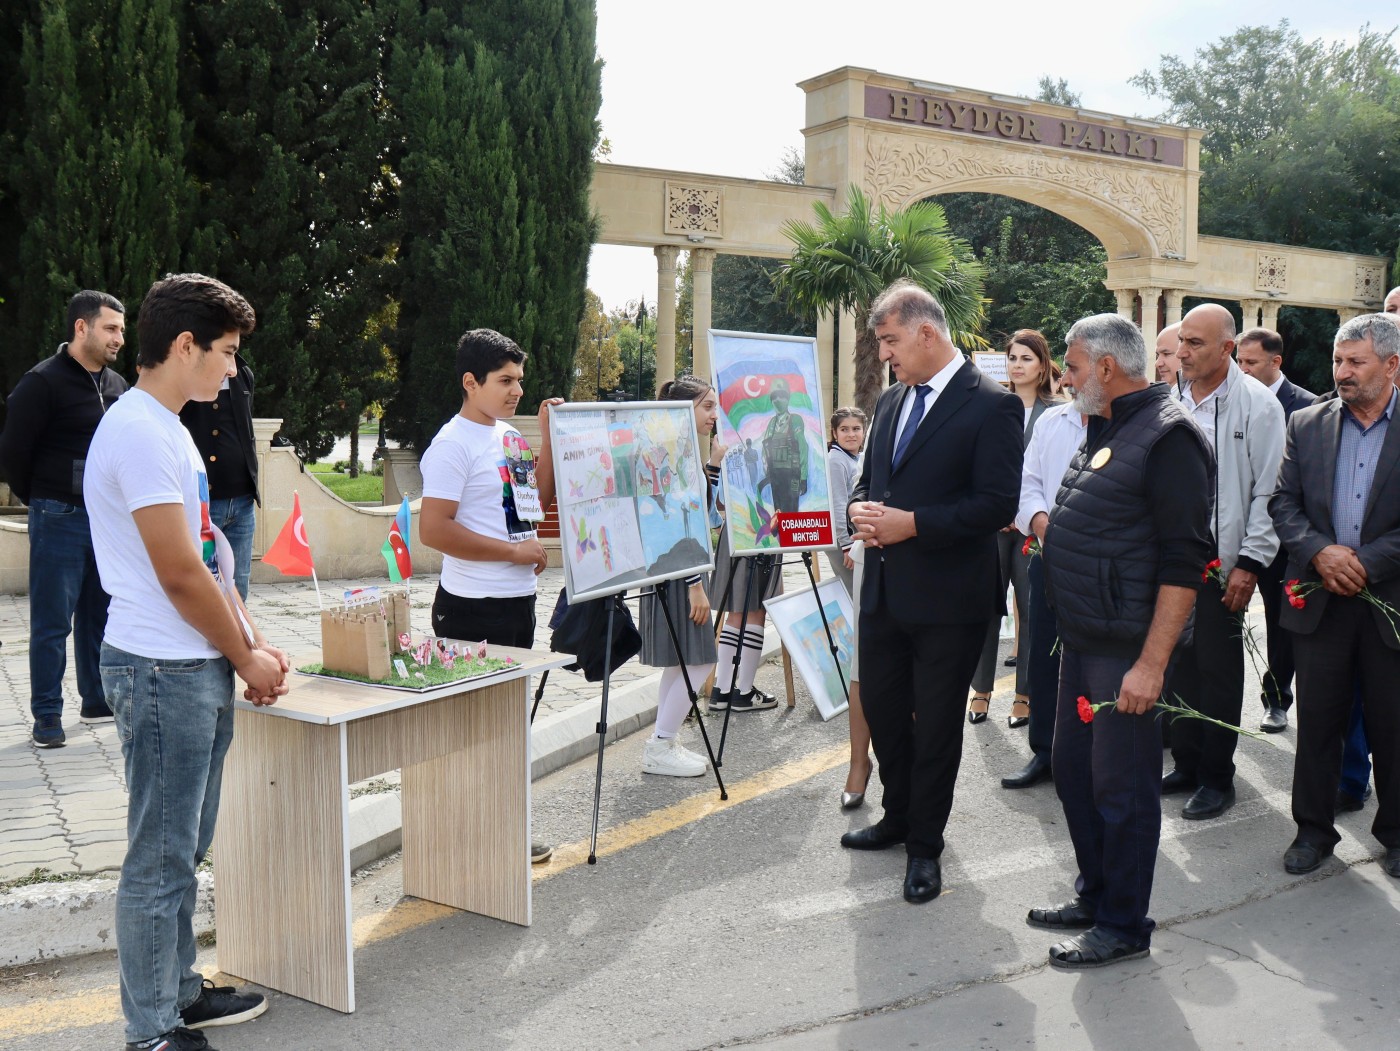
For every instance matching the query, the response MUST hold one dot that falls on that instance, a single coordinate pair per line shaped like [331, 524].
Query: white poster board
[992, 364]
[799, 624]
[631, 490]
[773, 423]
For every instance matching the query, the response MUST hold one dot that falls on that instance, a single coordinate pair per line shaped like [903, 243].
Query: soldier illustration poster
[772, 421]
[631, 493]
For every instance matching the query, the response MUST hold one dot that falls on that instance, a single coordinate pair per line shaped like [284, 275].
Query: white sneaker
[668, 758]
[694, 757]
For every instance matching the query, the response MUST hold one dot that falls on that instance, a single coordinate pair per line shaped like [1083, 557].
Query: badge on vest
[1101, 457]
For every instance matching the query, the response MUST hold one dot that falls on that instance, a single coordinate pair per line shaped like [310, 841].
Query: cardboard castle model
[360, 639]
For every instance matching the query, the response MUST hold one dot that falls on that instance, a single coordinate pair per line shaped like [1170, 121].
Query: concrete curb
[49, 921]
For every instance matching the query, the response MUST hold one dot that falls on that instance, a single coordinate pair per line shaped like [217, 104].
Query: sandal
[977, 715]
[1069, 916]
[1020, 713]
[1094, 948]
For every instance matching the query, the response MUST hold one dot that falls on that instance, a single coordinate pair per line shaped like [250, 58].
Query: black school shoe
[753, 701]
[221, 1005]
[179, 1039]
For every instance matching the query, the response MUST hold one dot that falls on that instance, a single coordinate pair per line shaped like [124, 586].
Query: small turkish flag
[290, 553]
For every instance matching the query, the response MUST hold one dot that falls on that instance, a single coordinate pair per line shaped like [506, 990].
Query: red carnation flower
[1086, 710]
[1296, 602]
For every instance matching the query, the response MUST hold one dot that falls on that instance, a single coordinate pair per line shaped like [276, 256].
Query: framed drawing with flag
[631, 489]
[771, 418]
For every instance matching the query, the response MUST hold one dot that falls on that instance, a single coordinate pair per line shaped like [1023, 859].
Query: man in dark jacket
[1260, 355]
[222, 430]
[53, 412]
[1122, 555]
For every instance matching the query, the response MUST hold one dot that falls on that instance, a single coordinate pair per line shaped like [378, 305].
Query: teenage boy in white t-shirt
[176, 633]
[483, 490]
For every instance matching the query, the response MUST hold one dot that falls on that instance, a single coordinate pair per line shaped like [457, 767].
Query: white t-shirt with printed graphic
[467, 463]
[142, 456]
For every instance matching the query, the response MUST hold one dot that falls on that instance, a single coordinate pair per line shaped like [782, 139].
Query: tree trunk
[870, 370]
[355, 448]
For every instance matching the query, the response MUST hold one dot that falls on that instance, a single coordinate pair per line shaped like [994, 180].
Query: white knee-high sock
[753, 651]
[724, 667]
[674, 702]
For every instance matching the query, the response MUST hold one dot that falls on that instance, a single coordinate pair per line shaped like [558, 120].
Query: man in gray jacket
[1243, 422]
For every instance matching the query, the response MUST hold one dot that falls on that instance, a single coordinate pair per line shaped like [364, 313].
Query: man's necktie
[916, 417]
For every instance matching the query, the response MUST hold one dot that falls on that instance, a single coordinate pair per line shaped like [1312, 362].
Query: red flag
[290, 553]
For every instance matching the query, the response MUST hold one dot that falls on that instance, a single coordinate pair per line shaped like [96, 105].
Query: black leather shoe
[1176, 782]
[923, 879]
[1302, 858]
[1070, 916]
[1093, 948]
[1208, 803]
[1034, 772]
[873, 837]
[1275, 721]
[1391, 862]
[1348, 803]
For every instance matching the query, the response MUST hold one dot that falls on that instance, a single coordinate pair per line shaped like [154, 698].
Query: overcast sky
[711, 86]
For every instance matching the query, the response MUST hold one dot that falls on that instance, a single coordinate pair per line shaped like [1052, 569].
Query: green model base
[420, 678]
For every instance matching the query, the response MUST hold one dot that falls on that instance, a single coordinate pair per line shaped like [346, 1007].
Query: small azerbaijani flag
[396, 549]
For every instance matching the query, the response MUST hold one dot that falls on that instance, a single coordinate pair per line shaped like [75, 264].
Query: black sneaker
[719, 701]
[221, 1005]
[98, 713]
[540, 853]
[48, 731]
[753, 701]
[179, 1039]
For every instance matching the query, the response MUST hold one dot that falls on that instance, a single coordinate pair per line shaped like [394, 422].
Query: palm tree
[842, 262]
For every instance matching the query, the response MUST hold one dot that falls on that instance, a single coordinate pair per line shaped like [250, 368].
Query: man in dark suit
[1337, 511]
[942, 475]
[1260, 354]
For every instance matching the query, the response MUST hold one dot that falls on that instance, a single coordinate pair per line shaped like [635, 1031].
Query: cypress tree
[288, 146]
[494, 109]
[98, 174]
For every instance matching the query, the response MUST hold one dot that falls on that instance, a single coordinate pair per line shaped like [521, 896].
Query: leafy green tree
[288, 138]
[746, 299]
[637, 351]
[96, 175]
[597, 360]
[842, 262]
[492, 109]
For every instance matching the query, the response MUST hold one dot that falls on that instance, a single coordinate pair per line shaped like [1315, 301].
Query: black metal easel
[830, 639]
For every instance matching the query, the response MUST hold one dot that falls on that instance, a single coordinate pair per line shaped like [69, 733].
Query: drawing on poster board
[799, 625]
[771, 419]
[631, 494]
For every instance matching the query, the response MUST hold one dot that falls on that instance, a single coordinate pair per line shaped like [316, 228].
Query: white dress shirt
[935, 384]
[1057, 437]
[1274, 386]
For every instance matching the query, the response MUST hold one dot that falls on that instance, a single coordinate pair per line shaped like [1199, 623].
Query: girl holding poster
[689, 606]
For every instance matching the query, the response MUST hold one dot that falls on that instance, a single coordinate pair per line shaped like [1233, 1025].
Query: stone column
[1345, 314]
[702, 261]
[264, 430]
[1174, 297]
[1124, 296]
[1251, 309]
[1150, 296]
[665, 313]
[846, 359]
[1270, 320]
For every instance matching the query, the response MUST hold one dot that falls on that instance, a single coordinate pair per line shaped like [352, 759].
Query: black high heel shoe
[973, 715]
[1013, 720]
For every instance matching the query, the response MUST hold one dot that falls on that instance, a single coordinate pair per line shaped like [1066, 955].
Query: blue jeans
[1356, 753]
[1108, 775]
[175, 723]
[236, 517]
[65, 594]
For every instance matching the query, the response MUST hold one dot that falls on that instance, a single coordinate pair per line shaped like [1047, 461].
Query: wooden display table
[282, 848]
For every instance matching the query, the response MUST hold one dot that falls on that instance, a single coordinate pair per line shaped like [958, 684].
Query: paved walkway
[64, 809]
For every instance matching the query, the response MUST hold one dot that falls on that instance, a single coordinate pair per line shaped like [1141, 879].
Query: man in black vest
[222, 430]
[1260, 354]
[942, 475]
[53, 412]
[1123, 555]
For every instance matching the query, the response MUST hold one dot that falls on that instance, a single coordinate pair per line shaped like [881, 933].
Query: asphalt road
[709, 924]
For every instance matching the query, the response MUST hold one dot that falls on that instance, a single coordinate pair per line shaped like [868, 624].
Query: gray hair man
[1244, 425]
[1337, 511]
[1123, 553]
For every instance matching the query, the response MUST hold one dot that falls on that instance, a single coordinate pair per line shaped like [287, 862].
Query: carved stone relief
[1370, 283]
[897, 169]
[1270, 272]
[693, 210]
